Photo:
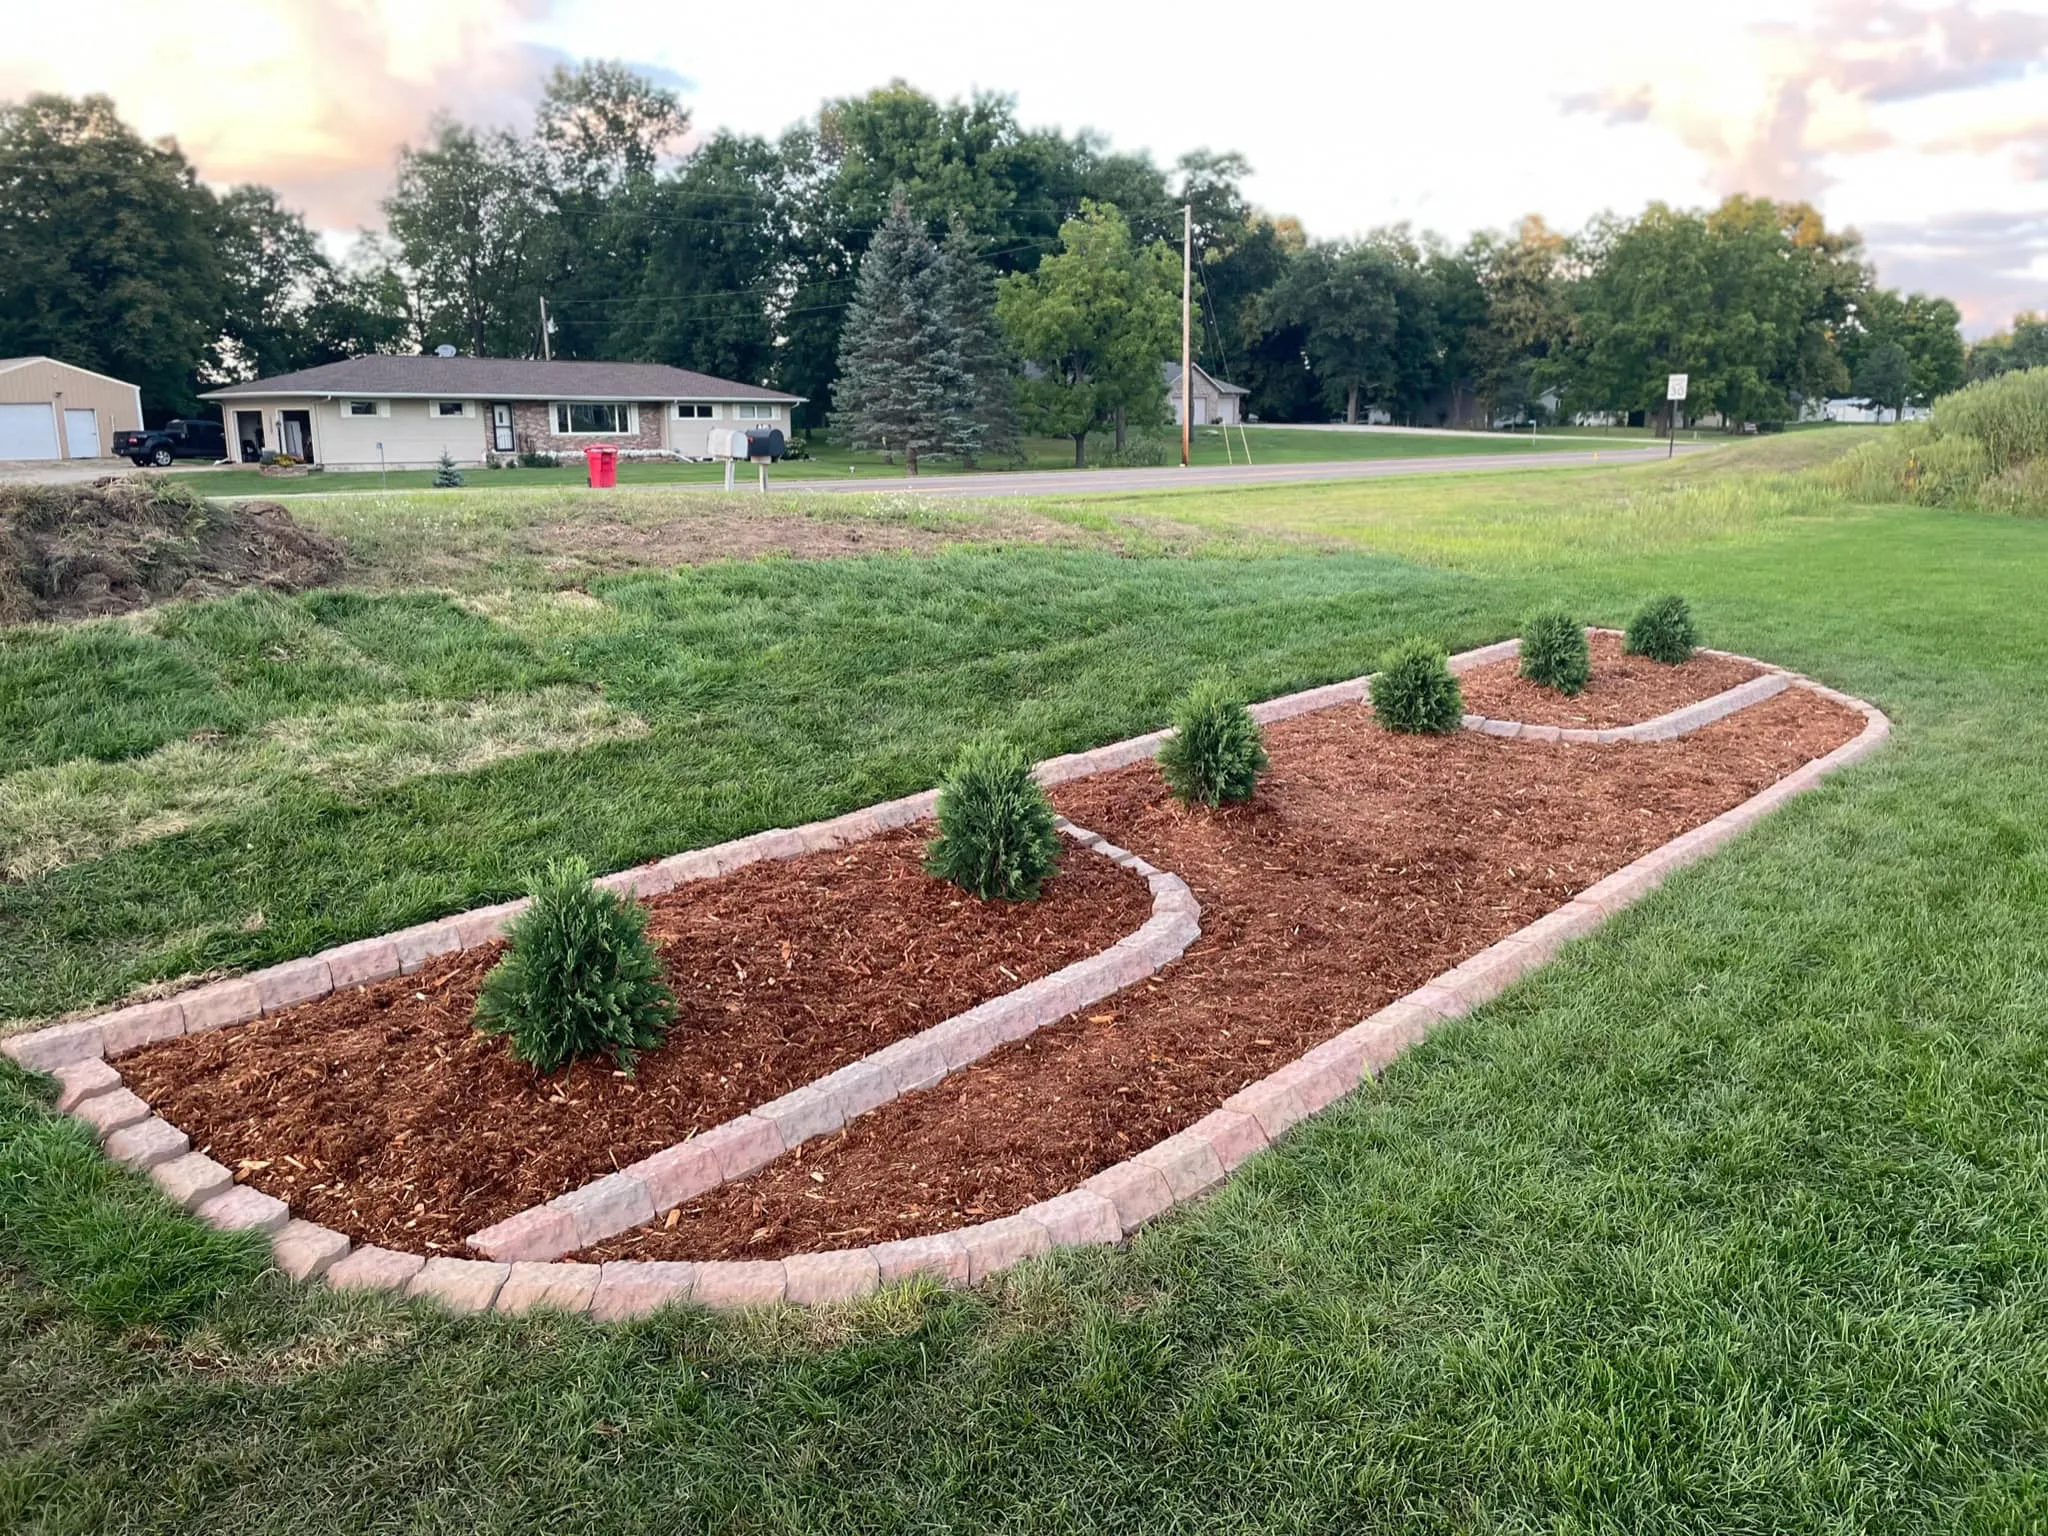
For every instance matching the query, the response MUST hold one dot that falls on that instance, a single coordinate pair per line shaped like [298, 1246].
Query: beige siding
[117, 406]
[412, 435]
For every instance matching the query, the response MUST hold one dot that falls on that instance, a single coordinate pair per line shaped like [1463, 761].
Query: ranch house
[405, 412]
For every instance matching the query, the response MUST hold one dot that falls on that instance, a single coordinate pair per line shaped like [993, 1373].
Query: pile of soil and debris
[128, 541]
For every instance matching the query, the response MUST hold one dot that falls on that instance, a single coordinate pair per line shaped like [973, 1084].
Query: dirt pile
[126, 542]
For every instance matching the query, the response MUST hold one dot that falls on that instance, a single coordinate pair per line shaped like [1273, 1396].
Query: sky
[1922, 123]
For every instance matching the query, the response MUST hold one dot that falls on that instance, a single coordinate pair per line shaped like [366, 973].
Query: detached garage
[51, 410]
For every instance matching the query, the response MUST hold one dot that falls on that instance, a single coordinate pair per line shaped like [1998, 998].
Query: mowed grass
[826, 460]
[1734, 1219]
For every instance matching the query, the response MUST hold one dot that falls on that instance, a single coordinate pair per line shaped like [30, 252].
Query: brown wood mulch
[1622, 690]
[1367, 864]
[383, 1113]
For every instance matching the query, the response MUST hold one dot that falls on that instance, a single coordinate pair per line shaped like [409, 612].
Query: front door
[501, 429]
[296, 430]
[249, 435]
[82, 432]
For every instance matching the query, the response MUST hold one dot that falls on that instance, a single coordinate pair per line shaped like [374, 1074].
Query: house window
[450, 408]
[687, 412]
[360, 408]
[585, 418]
[753, 412]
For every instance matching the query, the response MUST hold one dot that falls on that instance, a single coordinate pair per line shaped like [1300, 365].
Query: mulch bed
[383, 1113]
[1367, 864]
[1623, 689]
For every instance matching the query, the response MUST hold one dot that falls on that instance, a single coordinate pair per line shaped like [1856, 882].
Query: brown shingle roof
[500, 378]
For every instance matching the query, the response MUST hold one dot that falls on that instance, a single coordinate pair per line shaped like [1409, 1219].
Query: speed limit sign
[1675, 388]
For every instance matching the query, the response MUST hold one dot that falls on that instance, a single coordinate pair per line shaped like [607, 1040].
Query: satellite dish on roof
[444, 350]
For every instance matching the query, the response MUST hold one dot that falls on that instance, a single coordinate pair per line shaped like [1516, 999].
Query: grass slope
[1735, 1219]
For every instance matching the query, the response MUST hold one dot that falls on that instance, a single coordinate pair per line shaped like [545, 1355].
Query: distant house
[400, 412]
[1215, 403]
[1856, 409]
[54, 410]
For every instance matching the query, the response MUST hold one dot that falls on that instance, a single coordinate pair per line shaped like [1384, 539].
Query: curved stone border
[1103, 1209]
[1665, 727]
[747, 1143]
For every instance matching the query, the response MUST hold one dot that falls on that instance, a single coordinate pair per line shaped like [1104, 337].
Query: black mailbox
[765, 443]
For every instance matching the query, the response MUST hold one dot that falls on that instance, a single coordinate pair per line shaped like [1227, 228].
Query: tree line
[744, 257]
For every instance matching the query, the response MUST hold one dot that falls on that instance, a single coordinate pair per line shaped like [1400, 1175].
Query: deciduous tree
[1095, 320]
[108, 250]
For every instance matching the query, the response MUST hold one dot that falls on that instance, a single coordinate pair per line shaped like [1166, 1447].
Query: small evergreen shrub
[1554, 652]
[996, 835]
[578, 977]
[1662, 630]
[446, 475]
[1415, 691]
[1216, 752]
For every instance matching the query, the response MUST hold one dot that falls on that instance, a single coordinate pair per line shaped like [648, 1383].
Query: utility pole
[547, 352]
[1187, 334]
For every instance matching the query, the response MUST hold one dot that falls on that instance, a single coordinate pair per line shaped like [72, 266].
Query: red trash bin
[603, 460]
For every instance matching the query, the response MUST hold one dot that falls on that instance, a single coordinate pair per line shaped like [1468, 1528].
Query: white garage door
[28, 432]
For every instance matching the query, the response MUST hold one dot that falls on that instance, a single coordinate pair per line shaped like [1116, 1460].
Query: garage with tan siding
[51, 410]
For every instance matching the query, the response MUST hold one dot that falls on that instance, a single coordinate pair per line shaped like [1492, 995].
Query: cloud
[2024, 143]
[314, 100]
[1811, 94]
[1992, 264]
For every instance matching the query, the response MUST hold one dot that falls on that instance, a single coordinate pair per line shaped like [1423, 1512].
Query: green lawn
[1733, 1220]
[829, 461]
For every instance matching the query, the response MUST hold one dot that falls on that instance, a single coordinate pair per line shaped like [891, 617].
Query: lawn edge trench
[519, 1272]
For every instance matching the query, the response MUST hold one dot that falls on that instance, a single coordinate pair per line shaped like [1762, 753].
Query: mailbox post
[760, 445]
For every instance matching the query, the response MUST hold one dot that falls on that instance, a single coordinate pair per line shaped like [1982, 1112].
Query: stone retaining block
[633, 1289]
[371, 1268]
[128, 1029]
[81, 1080]
[839, 1276]
[192, 1180]
[563, 1287]
[242, 1209]
[108, 1112]
[305, 1251]
[460, 1285]
[146, 1143]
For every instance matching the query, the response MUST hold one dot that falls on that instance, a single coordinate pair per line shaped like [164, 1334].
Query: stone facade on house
[533, 430]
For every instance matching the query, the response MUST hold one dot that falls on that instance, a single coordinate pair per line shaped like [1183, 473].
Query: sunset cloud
[312, 99]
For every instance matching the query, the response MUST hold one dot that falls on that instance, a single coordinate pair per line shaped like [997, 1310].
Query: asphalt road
[1090, 482]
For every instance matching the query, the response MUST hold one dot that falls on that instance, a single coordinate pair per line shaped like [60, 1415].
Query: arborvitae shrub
[1415, 691]
[578, 976]
[996, 834]
[1662, 630]
[446, 475]
[1216, 752]
[1554, 652]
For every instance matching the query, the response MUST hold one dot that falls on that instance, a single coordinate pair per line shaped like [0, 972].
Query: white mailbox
[726, 443]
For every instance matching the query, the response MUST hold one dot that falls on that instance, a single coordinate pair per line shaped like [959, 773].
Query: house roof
[1170, 371]
[500, 378]
[9, 364]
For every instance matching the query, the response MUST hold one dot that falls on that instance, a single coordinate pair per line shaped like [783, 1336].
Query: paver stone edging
[1665, 727]
[747, 1143]
[1103, 1209]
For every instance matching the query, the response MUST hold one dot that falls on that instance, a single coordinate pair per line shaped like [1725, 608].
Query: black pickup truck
[173, 440]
